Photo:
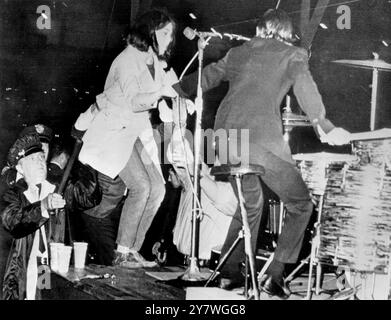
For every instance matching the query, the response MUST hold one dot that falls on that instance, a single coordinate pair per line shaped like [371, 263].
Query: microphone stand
[193, 272]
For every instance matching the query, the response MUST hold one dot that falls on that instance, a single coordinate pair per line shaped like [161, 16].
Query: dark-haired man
[260, 72]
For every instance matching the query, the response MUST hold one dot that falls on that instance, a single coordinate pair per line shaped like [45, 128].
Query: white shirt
[32, 269]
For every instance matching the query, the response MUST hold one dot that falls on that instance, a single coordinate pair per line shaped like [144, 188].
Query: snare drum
[356, 219]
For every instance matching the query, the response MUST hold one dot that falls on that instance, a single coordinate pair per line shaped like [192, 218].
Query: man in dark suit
[260, 72]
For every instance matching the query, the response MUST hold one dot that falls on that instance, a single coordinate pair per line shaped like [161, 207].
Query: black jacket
[260, 73]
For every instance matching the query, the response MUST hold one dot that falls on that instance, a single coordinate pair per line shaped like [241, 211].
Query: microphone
[190, 34]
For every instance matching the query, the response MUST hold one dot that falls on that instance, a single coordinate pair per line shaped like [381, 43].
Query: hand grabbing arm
[52, 201]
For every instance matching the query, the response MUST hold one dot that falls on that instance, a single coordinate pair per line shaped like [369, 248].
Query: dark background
[50, 76]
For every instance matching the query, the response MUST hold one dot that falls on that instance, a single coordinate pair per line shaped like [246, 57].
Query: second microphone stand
[193, 273]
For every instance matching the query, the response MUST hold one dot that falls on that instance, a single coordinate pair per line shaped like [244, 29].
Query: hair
[59, 147]
[276, 24]
[142, 32]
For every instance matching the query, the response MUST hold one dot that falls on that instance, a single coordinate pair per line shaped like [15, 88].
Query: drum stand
[312, 258]
[245, 232]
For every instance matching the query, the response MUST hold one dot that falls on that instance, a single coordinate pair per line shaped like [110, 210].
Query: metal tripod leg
[309, 286]
[311, 259]
[316, 245]
[296, 270]
[246, 277]
[247, 238]
[266, 265]
[318, 278]
[225, 257]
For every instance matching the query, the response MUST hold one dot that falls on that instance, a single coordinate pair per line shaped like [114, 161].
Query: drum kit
[352, 193]
[353, 196]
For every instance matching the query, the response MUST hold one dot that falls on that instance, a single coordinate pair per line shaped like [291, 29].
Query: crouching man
[28, 206]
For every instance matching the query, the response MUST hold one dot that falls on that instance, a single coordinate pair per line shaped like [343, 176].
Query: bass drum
[356, 219]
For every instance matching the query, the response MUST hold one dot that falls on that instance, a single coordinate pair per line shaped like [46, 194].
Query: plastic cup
[80, 252]
[54, 255]
[64, 258]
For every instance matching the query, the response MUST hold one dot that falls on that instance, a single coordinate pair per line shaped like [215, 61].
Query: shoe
[160, 252]
[125, 260]
[273, 287]
[140, 259]
[230, 283]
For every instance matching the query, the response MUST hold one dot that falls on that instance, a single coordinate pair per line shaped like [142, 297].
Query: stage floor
[160, 283]
[111, 283]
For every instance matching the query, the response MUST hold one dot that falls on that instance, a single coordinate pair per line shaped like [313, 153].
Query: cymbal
[366, 64]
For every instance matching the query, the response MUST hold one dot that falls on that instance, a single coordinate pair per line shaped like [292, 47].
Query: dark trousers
[101, 233]
[285, 180]
[101, 222]
[113, 191]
